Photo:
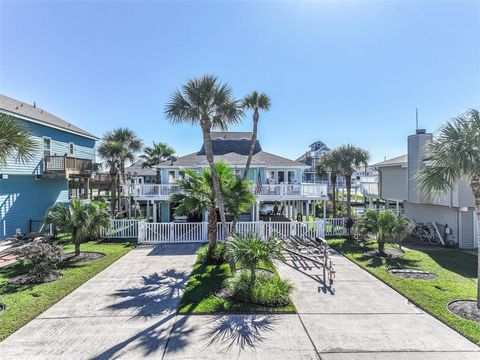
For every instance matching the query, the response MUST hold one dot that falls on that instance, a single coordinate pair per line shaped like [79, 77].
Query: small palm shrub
[41, 259]
[267, 290]
[251, 251]
[217, 257]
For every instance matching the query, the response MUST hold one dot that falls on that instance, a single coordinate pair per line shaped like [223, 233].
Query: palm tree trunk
[334, 198]
[113, 189]
[381, 246]
[475, 185]
[212, 231]
[253, 141]
[348, 185]
[76, 241]
[207, 142]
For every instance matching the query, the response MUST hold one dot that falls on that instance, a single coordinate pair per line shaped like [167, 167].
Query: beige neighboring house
[456, 208]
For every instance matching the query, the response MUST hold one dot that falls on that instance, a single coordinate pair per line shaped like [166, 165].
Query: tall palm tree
[154, 155]
[111, 151]
[15, 140]
[350, 158]
[454, 155]
[80, 219]
[131, 145]
[198, 196]
[255, 101]
[205, 101]
[329, 165]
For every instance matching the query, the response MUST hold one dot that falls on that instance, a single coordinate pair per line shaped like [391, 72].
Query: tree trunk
[76, 241]
[253, 275]
[113, 198]
[475, 185]
[212, 231]
[207, 142]
[348, 185]
[334, 200]
[381, 246]
[253, 141]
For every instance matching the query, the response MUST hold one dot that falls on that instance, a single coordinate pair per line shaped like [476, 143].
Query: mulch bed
[84, 256]
[26, 279]
[466, 309]
[413, 274]
[389, 253]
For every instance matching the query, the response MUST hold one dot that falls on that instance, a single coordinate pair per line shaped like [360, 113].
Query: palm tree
[131, 145]
[80, 219]
[350, 158]
[255, 101]
[251, 251]
[197, 195]
[111, 151]
[156, 154]
[206, 102]
[329, 164]
[454, 155]
[15, 140]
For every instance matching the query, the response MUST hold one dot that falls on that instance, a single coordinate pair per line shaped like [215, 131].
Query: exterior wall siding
[394, 183]
[22, 198]
[467, 229]
[59, 143]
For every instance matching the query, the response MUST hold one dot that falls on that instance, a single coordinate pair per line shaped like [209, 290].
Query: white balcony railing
[369, 188]
[278, 190]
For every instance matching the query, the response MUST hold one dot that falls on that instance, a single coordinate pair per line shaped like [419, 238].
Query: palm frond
[15, 140]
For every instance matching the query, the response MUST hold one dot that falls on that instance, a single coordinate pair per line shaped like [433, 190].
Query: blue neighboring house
[59, 170]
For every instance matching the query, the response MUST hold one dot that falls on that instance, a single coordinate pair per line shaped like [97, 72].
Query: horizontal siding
[22, 198]
[467, 232]
[60, 140]
[394, 183]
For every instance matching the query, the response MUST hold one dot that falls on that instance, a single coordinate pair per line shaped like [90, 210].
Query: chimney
[417, 152]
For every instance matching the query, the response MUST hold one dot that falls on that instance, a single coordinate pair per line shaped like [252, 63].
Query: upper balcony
[263, 192]
[369, 188]
[65, 166]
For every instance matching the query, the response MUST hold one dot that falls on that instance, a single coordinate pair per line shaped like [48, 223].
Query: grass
[24, 303]
[205, 281]
[457, 279]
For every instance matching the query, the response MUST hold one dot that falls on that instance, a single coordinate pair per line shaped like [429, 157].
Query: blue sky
[341, 72]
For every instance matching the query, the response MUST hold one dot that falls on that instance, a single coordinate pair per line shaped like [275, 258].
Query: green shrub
[41, 259]
[268, 290]
[219, 255]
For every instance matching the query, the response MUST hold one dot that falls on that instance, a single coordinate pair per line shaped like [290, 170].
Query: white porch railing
[335, 227]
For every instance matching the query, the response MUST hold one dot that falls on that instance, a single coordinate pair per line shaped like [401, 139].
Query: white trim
[27, 118]
[43, 146]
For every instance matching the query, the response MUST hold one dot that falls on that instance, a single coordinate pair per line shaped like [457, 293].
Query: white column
[148, 209]
[308, 210]
[324, 209]
[154, 212]
[257, 211]
[397, 206]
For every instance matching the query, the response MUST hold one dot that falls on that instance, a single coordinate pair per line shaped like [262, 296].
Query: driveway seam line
[309, 337]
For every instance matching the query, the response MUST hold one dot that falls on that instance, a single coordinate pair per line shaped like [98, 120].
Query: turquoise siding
[165, 211]
[83, 148]
[22, 198]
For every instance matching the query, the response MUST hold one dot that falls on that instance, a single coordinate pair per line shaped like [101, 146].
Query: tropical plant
[110, 151]
[329, 164]
[154, 155]
[197, 195]
[254, 101]
[41, 259]
[80, 219]
[385, 225]
[15, 140]
[454, 155]
[250, 251]
[205, 101]
[217, 256]
[350, 158]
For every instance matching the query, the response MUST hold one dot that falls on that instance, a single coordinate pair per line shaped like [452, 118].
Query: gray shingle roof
[222, 147]
[399, 160]
[16, 107]
[231, 135]
[137, 167]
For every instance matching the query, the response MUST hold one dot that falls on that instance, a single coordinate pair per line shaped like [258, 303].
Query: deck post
[324, 209]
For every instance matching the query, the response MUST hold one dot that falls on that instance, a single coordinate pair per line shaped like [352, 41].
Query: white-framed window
[171, 176]
[47, 146]
[71, 149]
[270, 175]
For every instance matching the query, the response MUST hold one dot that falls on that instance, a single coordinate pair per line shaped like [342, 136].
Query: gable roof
[32, 113]
[141, 171]
[231, 135]
[222, 147]
[396, 161]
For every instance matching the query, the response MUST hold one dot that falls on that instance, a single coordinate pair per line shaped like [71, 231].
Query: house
[275, 180]
[139, 174]
[59, 169]
[399, 184]
[310, 158]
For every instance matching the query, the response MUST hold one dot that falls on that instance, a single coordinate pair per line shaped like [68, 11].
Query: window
[291, 177]
[70, 149]
[281, 177]
[46, 146]
[171, 176]
[270, 176]
[237, 173]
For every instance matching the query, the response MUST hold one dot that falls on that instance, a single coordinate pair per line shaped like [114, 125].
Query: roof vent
[34, 104]
[421, 131]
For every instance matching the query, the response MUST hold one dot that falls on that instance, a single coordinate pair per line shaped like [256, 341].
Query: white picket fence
[154, 233]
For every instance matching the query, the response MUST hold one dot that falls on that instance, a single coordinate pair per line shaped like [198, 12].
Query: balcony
[265, 192]
[66, 166]
[369, 188]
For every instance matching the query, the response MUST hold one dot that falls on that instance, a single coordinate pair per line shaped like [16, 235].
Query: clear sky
[340, 72]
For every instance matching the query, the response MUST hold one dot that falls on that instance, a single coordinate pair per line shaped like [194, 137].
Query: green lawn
[204, 282]
[457, 279]
[24, 303]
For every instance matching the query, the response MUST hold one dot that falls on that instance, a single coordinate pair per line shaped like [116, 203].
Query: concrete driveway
[128, 311]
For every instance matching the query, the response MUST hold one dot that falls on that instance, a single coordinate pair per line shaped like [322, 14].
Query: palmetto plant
[206, 102]
[15, 140]
[454, 155]
[81, 220]
[330, 164]
[350, 158]
[251, 251]
[154, 155]
[254, 101]
[197, 195]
